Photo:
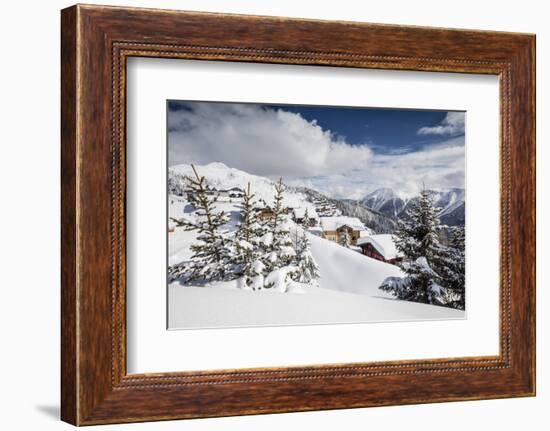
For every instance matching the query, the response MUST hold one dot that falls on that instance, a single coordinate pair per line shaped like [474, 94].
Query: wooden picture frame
[95, 43]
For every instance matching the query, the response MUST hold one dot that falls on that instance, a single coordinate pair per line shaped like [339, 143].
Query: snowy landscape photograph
[303, 215]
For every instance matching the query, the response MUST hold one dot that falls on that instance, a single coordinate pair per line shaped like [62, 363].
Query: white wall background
[29, 215]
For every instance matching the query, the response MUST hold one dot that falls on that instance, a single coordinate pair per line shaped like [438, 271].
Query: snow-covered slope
[221, 176]
[218, 307]
[347, 270]
[348, 293]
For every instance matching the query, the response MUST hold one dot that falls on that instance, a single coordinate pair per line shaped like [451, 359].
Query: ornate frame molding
[96, 41]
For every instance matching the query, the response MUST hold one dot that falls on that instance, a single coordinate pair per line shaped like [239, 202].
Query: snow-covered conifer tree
[343, 240]
[249, 217]
[212, 255]
[307, 270]
[306, 218]
[420, 285]
[278, 208]
[277, 242]
[417, 236]
[247, 238]
[450, 264]
[417, 239]
[281, 242]
[176, 183]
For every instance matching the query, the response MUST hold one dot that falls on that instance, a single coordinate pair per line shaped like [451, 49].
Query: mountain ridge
[451, 204]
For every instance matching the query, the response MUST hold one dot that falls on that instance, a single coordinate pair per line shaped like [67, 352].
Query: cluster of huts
[232, 193]
[357, 235]
[325, 208]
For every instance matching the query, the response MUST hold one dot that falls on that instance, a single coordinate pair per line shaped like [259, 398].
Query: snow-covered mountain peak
[384, 200]
[381, 194]
[450, 203]
[383, 191]
[221, 176]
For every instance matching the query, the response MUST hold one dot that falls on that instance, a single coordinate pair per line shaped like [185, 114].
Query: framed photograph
[292, 215]
[264, 215]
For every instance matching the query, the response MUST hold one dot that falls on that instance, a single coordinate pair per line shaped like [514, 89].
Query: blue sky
[386, 131]
[340, 151]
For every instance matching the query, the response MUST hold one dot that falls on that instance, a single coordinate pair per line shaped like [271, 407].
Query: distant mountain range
[379, 210]
[450, 204]
[385, 201]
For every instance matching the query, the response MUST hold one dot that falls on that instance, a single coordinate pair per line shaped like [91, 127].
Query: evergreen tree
[276, 242]
[307, 270]
[177, 271]
[176, 184]
[416, 238]
[306, 218]
[212, 255]
[413, 287]
[278, 208]
[247, 238]
[249, 217]
[263, 224]
[458, 238]
[450, 264]
[343, 240]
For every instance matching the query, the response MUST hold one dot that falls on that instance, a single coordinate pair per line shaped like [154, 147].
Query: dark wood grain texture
[96, 41]
[68, 218]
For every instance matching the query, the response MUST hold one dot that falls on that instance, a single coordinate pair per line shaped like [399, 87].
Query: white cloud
[436, 167]
[260, 141]
[277, 143]
[451, 125]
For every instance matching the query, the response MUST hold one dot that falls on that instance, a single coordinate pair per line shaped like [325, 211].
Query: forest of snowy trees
[435, 272]
[260, 254]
